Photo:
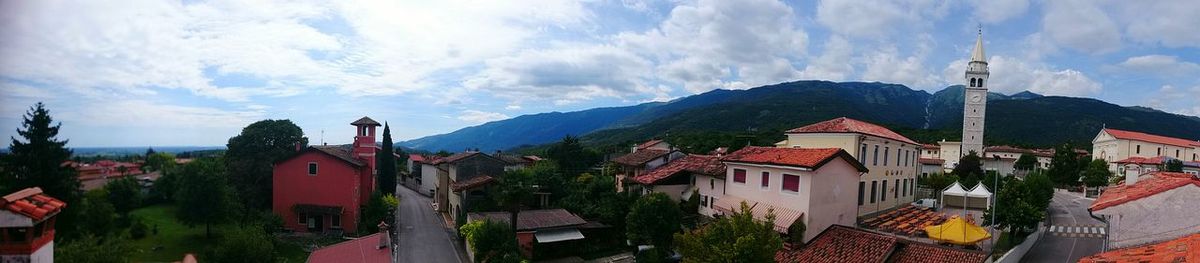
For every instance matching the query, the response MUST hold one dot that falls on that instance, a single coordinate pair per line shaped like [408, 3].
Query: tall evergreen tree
[387, 163]
[36, 160]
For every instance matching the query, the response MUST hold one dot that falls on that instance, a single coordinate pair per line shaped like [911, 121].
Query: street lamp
[995, 197]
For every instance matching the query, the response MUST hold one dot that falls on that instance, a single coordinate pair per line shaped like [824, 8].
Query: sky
[166, 73]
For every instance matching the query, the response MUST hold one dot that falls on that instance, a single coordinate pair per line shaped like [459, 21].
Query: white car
[930, 203]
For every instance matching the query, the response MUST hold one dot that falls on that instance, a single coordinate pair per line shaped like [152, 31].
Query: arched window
[972, 82]
[980, 84]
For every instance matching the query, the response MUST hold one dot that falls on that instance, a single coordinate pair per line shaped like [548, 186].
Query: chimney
[1130, 178]
[297, 146]
[384, 241]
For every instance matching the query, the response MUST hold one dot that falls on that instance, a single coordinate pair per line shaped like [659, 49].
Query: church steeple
[977, 54]
[975, 95]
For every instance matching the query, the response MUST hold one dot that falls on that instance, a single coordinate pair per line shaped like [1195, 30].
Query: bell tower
[364, 149]
[975, 99]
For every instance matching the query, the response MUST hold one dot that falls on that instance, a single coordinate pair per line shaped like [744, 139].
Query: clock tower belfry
[975, 99]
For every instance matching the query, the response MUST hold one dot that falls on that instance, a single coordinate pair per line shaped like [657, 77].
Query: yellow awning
[957, 231]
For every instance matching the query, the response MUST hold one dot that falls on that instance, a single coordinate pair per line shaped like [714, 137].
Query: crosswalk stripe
[1101, 231]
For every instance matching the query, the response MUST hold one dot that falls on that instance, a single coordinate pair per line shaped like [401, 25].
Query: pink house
[321, 187]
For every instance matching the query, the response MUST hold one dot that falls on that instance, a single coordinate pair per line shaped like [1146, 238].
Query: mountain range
[759, 115]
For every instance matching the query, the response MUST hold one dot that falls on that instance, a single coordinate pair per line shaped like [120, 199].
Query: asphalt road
[423, 235]
[1068, 211]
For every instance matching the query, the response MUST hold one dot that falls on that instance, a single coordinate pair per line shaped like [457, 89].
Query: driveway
[1073, 233]
[423, 234]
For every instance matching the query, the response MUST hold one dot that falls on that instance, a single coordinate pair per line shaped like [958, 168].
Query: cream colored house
[814, 186]
[951, 152]
[891, 158]
[1113, 145]
[1149, 208]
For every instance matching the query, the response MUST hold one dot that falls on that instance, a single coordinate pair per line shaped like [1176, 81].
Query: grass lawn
[175, 239]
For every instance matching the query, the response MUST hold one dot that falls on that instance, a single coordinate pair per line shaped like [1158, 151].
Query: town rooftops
[640, 157]
[931, 161]
[341, 152]
[648, 144]
[416, 158]
[811, 158]
[514, 158]
[364, 249]
[472, 183]
[463, 156]
[365, 121]
[1006, 149]
[32, 203]
[848, 125]
[1146, 137]
[698, 164]
[844, 244]
[1183, 249]
[1147, 185]
[533, 219]
[1143, 160]
[930, 146]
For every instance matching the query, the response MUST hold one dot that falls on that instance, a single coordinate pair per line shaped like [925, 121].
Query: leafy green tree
[550, 180]
[36, 160]
[247, 244]
[149, 151]
[1173, 165]
[203, 194]
[125, 195]
[162, 162]
[252, 153]
[94, 249]
[101, 216]
[163, 189]
[969, 168]
[512, 190]
[1027, 162]
[378, 209]
[572, 158]
[737, 238]
[1041, 189]
[937, 182]
[1064, 166]
[796, 232]
[1096, 174]
[653, 219]
[596, 197]
[491, 241]
[1017, 211]
[387, 163]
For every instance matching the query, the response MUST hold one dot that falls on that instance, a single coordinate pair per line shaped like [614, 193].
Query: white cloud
[887, 65]
[1176, 100]
[1009, 75]
[147, 114]
[995, 11]
[877, 18]
[565, 74]
[476, 117]
[512, 107]
[1171, 23]
[834, 62]
[1081, 25]
[1160, 65]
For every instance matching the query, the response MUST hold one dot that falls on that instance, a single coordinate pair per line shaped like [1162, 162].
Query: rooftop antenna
[322, 136]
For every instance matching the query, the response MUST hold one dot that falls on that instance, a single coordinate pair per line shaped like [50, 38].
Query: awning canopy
[954, 189]
[784, 217]
[957, 231]
[556, 235]
[979, 191]
[978, 197]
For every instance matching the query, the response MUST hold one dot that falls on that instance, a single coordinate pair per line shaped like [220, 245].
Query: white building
[1149, 208]
[975, 99]
[1114, 145]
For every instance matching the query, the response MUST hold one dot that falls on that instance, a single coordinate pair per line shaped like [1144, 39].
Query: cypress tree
[387, 163]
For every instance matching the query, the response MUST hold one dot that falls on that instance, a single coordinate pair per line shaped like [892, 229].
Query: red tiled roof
[1147, 185]
[811, 158]
[533, 219]
[416, 158]
[848, 125]
[640, 157]
[32, 203]
[364, 249]
[1143, 160]
[1006, 149]
[930, 146]
[931, 161]
[647, 144]
[1184, 249]
[699, 164]
[341, 152]
[474, 182]
[1146, 137]
[844, 244]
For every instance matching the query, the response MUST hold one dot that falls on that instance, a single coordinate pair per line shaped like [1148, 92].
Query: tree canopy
[1019, 206]
[653, 219]
[36, 160]
[1096, 174]
[125, 195]
[1027, 162]
[1064, 167]
[162, 162]
[491, 241]
[386, 163]
[1173, 165]
[250, 155]
[203, 195]
[969, 168]
[572, 158]
[737, 238]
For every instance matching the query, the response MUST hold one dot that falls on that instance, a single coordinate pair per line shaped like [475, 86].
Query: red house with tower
[321, 188]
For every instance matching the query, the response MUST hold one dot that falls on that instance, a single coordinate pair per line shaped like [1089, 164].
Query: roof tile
[1183, 249]
[640, 157]
[848, 125]
[801, 157]
[1152, 184]
[32, 203]
[1146, 137]
[844, 244]
[699, 164]
[533, 219]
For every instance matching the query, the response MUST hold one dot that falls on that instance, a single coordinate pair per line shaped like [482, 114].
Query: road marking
[1102, 231]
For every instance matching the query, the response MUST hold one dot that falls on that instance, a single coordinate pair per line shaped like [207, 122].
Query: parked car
[929, 202]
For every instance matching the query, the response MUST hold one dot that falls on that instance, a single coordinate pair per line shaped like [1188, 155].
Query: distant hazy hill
[762, 113]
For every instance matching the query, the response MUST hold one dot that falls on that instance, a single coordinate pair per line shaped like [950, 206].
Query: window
[335, 221]
[791, 183]
[980, 83]
[1138, 149]
[886, 150]
[703, 201]
[766, 179]
[905, 189]
[883, 194]
[712, 183]
[1176, 153]
[301, 219]
[862, 154]
[875, 158]
[312, 168]
[739, 176]
[874, 186]
[897, 157]
[896, 193]
[861, 187]
[1159, 153]
[972, 82]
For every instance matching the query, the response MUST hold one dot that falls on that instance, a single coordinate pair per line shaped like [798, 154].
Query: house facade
[1149, 208]
[422, 174]
[893, 160]
[27, 220]
[814, 186]
[644, 157]
[679, 179]
[320, 188]
[1113, 145]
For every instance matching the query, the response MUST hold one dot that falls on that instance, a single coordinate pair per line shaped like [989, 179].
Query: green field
[174, 239]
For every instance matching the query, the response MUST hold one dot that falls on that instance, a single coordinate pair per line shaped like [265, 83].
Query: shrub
[137, 228]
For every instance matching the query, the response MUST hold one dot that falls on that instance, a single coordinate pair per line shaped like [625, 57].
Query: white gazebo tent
[954, 195]
[979, 197]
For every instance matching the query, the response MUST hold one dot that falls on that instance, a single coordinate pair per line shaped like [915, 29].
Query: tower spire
[977, 54]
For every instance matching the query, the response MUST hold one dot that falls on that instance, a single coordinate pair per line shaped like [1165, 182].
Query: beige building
[1113, 145]
[891, 158]
[1148, 208]
[809, 185]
